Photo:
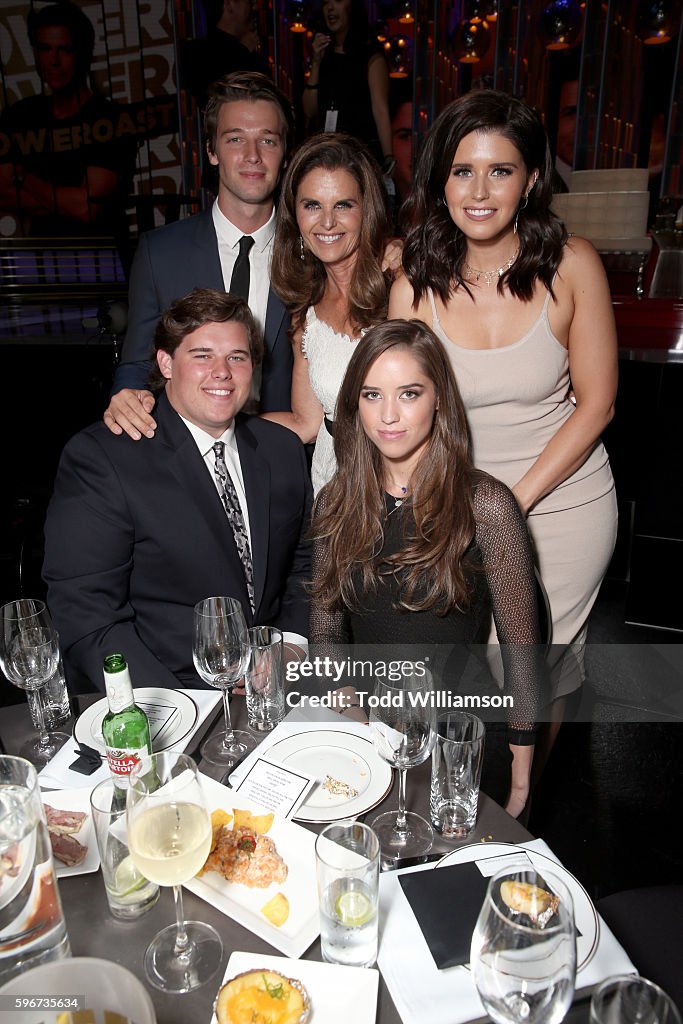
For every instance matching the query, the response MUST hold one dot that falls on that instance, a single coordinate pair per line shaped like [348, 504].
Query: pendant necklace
[489, 275]
[397, 501]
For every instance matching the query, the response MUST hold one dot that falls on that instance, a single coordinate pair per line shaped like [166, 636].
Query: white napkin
[422, 992]
[57, 774]
[298, 721]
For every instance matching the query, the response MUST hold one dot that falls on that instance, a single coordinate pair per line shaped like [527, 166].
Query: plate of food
[71, 831]
[352, 777]
[172, 716]
[585, 914]
[322, 993]
[260, 872]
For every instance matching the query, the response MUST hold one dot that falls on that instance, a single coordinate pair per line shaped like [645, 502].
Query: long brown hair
[435, 249]
[433, 563]
[301, 282]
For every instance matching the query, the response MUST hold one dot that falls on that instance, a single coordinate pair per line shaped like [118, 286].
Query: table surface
[94, 932]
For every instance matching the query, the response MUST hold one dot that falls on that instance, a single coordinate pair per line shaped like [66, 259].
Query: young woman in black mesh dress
[411, 543]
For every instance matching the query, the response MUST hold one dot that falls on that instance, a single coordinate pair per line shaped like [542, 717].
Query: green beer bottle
[125, 727]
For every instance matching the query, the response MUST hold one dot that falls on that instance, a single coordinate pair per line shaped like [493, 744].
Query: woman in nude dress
[330, 236]
[526, 318]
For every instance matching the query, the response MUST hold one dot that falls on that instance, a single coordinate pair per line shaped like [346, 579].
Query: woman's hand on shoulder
[393, 254]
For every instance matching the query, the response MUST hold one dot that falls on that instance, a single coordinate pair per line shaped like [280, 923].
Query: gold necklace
[489, 275]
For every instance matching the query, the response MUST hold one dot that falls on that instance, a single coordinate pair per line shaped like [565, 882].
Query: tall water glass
[32, 928]
[220, 651]
[523, 953]
[630, 999]
[264, 679]
[457, 759]
[347, 867]
[169, 838]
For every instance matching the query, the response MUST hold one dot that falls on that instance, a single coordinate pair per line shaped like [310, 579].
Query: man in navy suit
[137, 534]
[247, 123]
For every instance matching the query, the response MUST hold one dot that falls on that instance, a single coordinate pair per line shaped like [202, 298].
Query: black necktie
[239, 282]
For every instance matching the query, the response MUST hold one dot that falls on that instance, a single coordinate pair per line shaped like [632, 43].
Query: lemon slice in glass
[127, 878]
[353, 908]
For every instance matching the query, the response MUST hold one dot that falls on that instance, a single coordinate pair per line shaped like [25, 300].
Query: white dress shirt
[205, 443]
[259, 259]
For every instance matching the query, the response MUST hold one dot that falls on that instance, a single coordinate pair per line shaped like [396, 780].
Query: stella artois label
[122, 762]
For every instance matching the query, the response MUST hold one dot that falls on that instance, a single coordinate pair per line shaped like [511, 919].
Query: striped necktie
[228, 494]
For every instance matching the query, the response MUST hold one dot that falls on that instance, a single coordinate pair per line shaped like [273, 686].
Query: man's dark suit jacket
[136, 535]
[168, 264]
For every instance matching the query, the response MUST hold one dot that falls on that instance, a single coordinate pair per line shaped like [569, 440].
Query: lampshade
[296, 14]
[380, 31]
[481, 10]
[398, 51]
[656, 21]
[406, 13]
[470, 41]
[560, 24]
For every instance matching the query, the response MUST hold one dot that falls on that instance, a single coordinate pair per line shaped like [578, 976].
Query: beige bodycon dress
[517, 398]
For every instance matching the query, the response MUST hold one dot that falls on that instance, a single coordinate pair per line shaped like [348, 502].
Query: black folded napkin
[446, 903]
[88, 760]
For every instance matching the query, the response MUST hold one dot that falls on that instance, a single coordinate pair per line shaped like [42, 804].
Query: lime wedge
[353, 908]
[127, 878]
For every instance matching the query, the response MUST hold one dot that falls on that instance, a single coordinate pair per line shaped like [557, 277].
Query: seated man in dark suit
[137, 534]
[247, 124]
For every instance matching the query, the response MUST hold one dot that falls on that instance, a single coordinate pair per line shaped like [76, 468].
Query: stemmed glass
[29, 654]
[403, 727]
[523, 957]
[169, 837]
[220, 650]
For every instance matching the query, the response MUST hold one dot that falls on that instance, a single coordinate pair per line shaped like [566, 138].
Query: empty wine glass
[169, 838]
[630, 999]
[29, 654]
[403, 727]
[220, 650]
[523, 953]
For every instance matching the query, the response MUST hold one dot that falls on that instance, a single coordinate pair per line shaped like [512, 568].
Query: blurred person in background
[65, 167]
[348, 86]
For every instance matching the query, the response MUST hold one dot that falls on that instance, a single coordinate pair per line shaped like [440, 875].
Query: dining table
[94, 932]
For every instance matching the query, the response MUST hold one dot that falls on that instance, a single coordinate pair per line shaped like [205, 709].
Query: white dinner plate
[346, 757]
[338, 994]
[172, 714]
[296, 846]
[76, 800]
[585, 914]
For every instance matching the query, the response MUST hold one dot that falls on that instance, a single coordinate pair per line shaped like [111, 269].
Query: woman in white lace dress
[330, 236]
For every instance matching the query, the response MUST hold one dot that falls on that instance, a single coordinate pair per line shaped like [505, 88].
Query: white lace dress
[328, 354]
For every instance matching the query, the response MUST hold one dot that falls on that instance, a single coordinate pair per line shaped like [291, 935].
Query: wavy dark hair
[434, 565]
[435, 249]
[301, 283]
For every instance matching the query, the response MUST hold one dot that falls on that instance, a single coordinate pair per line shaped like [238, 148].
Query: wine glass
[630, 999]
[29, 654]
[169, 838]
[403, 726]
[523, 953]
[220, 650]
